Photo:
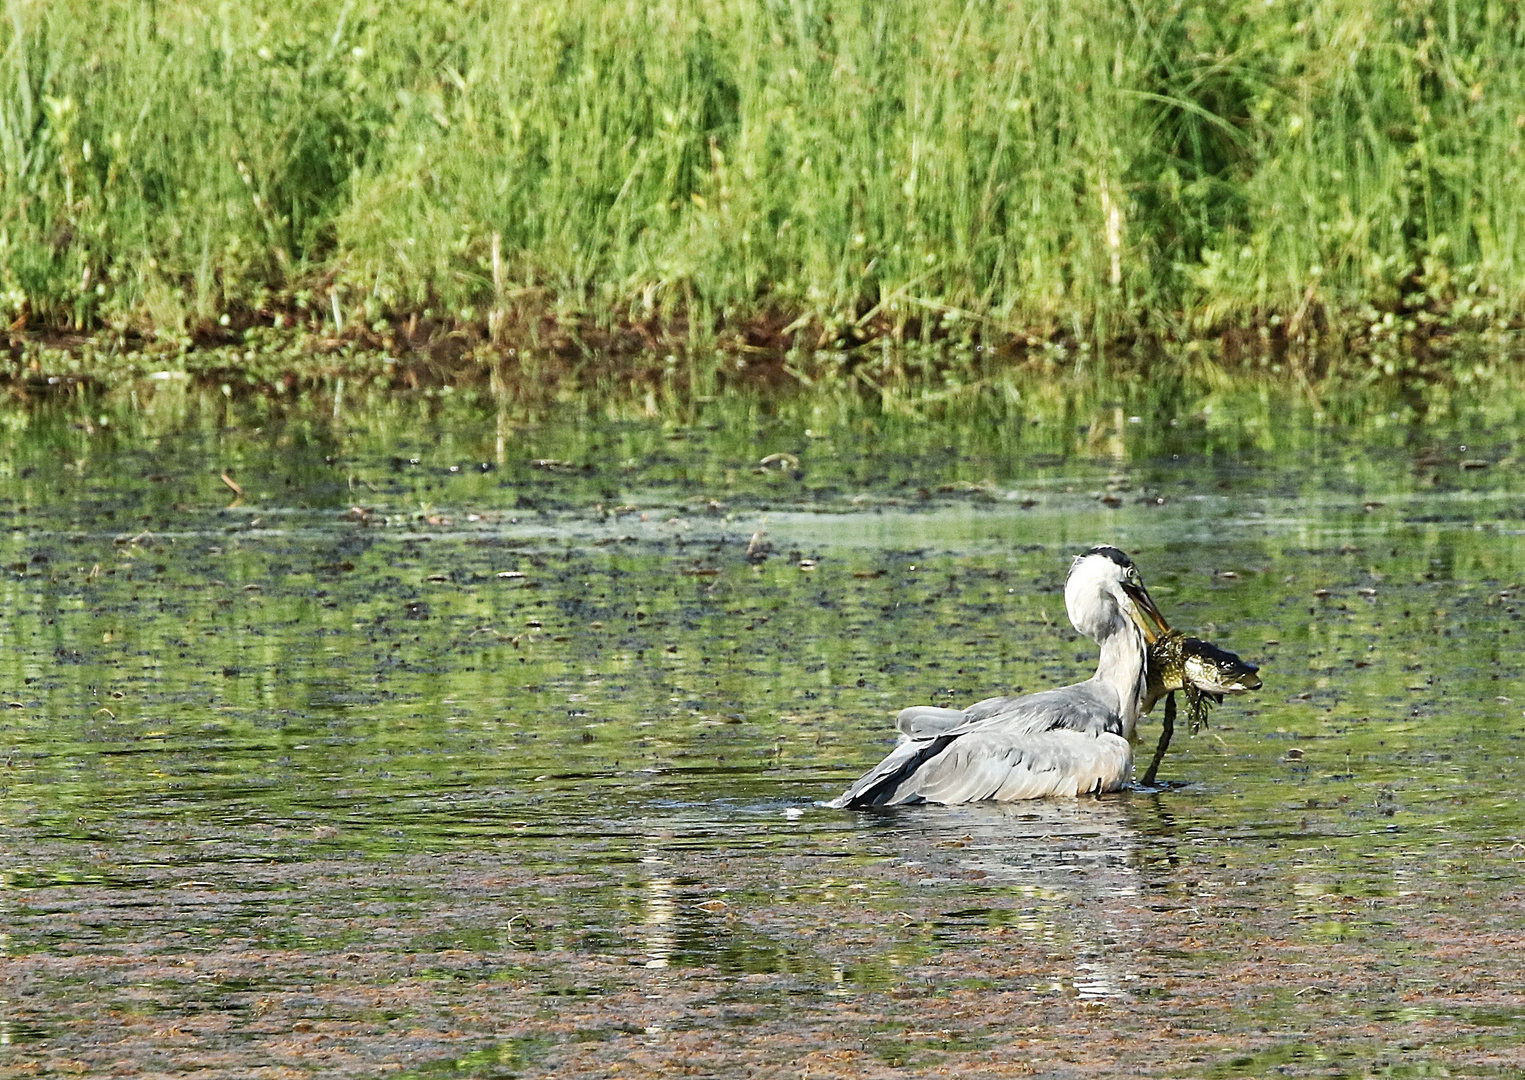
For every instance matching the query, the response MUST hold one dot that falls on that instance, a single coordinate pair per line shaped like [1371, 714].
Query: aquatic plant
[815, 173]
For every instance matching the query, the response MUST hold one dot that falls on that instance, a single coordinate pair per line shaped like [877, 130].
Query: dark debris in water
[709, 960]
[391, 768]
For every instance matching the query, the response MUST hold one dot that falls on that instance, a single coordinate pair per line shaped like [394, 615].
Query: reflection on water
[1073, 865]
[462, 741]
[659, 936]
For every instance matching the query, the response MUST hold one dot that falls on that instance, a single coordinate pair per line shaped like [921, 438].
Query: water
[435, 740]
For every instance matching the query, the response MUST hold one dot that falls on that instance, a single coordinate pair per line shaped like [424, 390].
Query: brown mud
[468, 965]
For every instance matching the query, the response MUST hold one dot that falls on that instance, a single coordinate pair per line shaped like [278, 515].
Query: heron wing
[925, 721]
[994, 764]
[985, 765]
[995, 746]
[1084, 707]
[878, 786]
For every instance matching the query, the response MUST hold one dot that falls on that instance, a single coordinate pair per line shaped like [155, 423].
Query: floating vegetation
[715, 187]
[567, 821]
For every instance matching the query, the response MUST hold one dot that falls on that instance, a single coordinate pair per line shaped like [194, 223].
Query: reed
[1025, 169]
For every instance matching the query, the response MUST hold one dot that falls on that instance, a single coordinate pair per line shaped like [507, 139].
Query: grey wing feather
[880, 785]
[1081, 707]
[925, 721]
[1034, 712]
[991, 765]
[1005, 748]
[983, 765]
[994, 706]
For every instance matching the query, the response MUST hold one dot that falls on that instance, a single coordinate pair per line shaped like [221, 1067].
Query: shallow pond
[421, 738]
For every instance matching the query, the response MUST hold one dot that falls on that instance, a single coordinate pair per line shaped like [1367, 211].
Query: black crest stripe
[1112, 553]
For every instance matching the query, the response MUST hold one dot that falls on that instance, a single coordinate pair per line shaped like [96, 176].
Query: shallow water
[434, 740]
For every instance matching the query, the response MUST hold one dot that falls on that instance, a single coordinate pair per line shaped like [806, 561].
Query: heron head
[1104, 592]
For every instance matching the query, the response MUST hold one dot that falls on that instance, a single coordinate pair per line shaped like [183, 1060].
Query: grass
[1300, 181]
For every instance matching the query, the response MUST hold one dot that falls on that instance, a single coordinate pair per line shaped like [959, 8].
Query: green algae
[392, 751]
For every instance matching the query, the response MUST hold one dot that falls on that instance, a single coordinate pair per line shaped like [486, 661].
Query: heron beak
[1145, 614]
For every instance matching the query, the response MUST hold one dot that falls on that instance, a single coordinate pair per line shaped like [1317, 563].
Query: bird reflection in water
[659, 933]
[1076, 863]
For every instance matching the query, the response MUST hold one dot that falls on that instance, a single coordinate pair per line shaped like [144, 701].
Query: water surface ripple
[431, 743]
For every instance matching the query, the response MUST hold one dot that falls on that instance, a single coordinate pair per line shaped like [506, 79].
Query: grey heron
[1074, 740]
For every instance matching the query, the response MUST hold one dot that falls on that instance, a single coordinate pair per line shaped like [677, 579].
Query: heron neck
[1122, 667]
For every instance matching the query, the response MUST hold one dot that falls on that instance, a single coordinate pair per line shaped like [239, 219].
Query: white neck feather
[1123, 668]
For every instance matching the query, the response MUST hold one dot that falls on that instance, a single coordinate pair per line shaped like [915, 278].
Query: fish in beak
[1217, 671]
[1144, 614]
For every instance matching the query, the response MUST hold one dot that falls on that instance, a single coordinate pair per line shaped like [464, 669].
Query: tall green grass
[1032, 167]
